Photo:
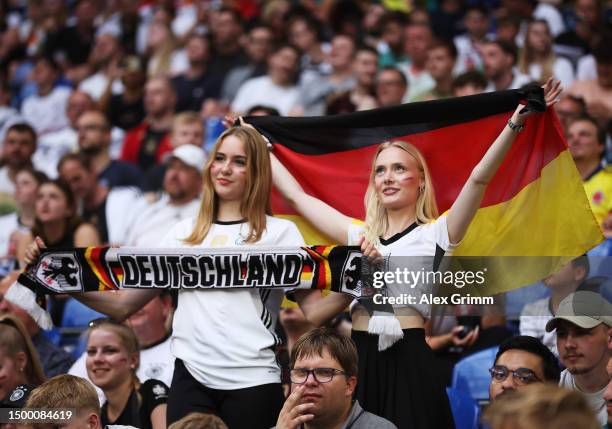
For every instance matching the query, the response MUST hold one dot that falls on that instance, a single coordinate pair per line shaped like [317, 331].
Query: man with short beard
[583, 323]
[148, 143]
[182, 185]
[94, 139]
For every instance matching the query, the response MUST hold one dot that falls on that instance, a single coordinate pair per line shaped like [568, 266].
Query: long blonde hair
[527, 55]
[426, 208]
[255, 202]
[15, 339]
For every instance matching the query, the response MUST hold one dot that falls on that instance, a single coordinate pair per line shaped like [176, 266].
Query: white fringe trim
[23, 297]
[388, 329]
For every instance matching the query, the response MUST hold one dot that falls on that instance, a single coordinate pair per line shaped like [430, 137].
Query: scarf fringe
[388, 329]
[23, 297]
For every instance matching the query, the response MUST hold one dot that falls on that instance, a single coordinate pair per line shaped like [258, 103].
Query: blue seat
[53, 335]
[471, 374]
[465, 409]
[78, 315]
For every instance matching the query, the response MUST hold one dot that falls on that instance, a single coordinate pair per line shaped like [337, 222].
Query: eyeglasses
[321, 375]
[521, 376]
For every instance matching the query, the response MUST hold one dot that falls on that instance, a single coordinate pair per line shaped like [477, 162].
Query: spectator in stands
[15, 224]
[104, 208]
[469, 83]
[303, 31]
[520, 362]
[19, 362]
[597, 93]
[528, 9]
[441, 59]
[73, 42]
[182, 185]
[589, 24]
[562, 283]
[195, 84]
[94, 140]
[57, 224]
[541, 407]
[52, 146]
[46, 110]
[187, 128]
[277, 88]
[607, 396]
[362, 96]
[569, 108]
[391, 87]
[54, 359]
[315, 91]
[147, 144]
[507, 29]
[499, 58]
[226, 29]
[112, 360]
[583, 323]
[417, 41]
[104, 60]
[587, 145]
[17, 150]
[323, 377]
[199, 421]
[477, 24]
[67, 392]
[258, 48]
[537, 58]
[126, 109]
[151, 326]
[166, 58]
[392, 39]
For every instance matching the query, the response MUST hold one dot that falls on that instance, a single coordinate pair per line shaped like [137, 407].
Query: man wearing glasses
[584, 324]
[521, 361]
[323, 379]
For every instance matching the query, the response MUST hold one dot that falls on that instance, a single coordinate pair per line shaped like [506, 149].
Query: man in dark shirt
[196, 84]
[94, 137]
[226, 29]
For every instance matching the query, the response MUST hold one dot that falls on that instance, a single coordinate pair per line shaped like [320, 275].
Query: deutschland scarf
[331, 268]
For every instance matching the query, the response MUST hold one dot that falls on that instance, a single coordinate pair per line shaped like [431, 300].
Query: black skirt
[402, 383]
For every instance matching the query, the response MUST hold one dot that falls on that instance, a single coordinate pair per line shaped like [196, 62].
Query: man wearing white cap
[182, 186]
[583, 323]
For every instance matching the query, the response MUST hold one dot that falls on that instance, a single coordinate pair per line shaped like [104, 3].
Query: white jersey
[429, 240]
[225, 337]
[595, 399]
[156, 362]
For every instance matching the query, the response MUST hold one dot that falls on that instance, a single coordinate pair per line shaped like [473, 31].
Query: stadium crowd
[108, 111]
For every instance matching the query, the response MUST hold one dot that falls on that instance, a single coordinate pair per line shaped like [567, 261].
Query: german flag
[535, 205]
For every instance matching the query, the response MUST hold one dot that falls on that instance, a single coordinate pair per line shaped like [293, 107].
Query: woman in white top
[537, 58]
[223, 339]
[399, 383]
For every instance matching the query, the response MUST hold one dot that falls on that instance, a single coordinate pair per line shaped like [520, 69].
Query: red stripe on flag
[341, 178]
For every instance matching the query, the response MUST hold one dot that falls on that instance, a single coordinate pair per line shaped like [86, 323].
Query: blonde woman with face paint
[398, 380]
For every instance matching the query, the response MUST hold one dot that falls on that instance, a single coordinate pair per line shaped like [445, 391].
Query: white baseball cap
[585, 309]
[191, 155]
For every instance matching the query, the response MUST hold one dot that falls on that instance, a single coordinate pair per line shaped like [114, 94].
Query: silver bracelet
[514, 127]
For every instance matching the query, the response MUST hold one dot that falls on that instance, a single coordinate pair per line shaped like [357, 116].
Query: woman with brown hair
[19, 362]
[57, 225]
[538, 59]
[113, 357]
[223, 340]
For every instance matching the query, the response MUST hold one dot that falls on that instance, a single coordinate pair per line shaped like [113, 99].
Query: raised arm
[323, 216]
[467, 203]
[117, 304]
